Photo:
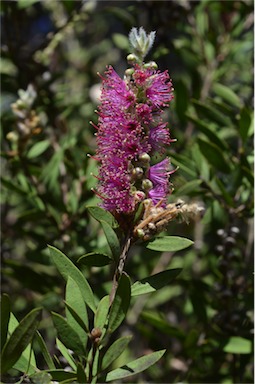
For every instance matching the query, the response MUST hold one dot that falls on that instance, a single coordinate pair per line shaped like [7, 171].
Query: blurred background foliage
[51, 53]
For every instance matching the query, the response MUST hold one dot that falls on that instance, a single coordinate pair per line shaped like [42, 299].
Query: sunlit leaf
[154, 282]
[102, 312]
[227, 94]
[38, 149]
[66, 267]
[169, 244]
[114, 351]
[136, 366]
[238, 345]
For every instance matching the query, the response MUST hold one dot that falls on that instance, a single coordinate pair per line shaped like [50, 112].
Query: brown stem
[120, 267]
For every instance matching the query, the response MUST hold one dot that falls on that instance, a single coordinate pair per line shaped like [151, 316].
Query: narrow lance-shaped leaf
[67, 335]
[112, 240]
[154, 282]
[67, 355]
[44, 351]
[20, 339]
[75, 300]
[5, 316]
[169, 244]
[101, 214]
[115, 351]
[95, 259]
[102, 312]
[66, 267]
[120, 303]
[136, 366]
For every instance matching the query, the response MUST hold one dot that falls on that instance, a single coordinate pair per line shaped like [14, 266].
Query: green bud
[137, 172]
[131, 58]
[147, 185]
[151, 64]
[140, 233]
[145, 158]
[129, 71]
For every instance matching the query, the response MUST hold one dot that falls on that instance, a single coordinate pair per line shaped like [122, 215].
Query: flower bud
[137, 172]
[147, 185]
[131, 58]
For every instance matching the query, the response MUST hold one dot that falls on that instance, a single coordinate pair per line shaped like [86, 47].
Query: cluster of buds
[28, 122]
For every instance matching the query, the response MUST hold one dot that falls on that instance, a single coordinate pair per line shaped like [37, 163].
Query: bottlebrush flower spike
[130, 130]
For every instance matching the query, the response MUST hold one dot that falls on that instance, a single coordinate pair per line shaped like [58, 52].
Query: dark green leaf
[136, 366]
[120, 303]
[95, 259]
[214, 156]
[68, 335]
[159, 322]
[38, 149]
[61, 375]
[67, 268]
[20, 339]
[81, 377]
[154, 282]
[102, 312]
[245, 123]
[227, 94]
[208, 132]
[5, 316]
[189, 187]
[211, 113]
[101, 214]
[169, 244]
[112, 240]
[44, 351]
[115, 351]
[238, 345]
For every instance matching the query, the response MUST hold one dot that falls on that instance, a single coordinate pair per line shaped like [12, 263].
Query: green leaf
[5, 316]
[38, 149]
[95, 259]
[64, 351]
[81, 377]
[41, 378]
[245, 123]
[26, 362]
[214, 156]
[208, 132]
[159, 322]
[135, 366]
[211, 113]
[102, 312]
[169, 244]
[189, 187]
[26, 3]
[120, 303]
[114, 351]
[112, 240]
[227, 94]
[61, 375]
[19, 339]
[101, 214]
[68, 335]
[74, 299]
[154, 282]
[44, 351]
[238, 345]
[121, 41]
[66, 268]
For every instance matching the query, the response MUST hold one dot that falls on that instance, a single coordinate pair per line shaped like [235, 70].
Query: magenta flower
[129, 131]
